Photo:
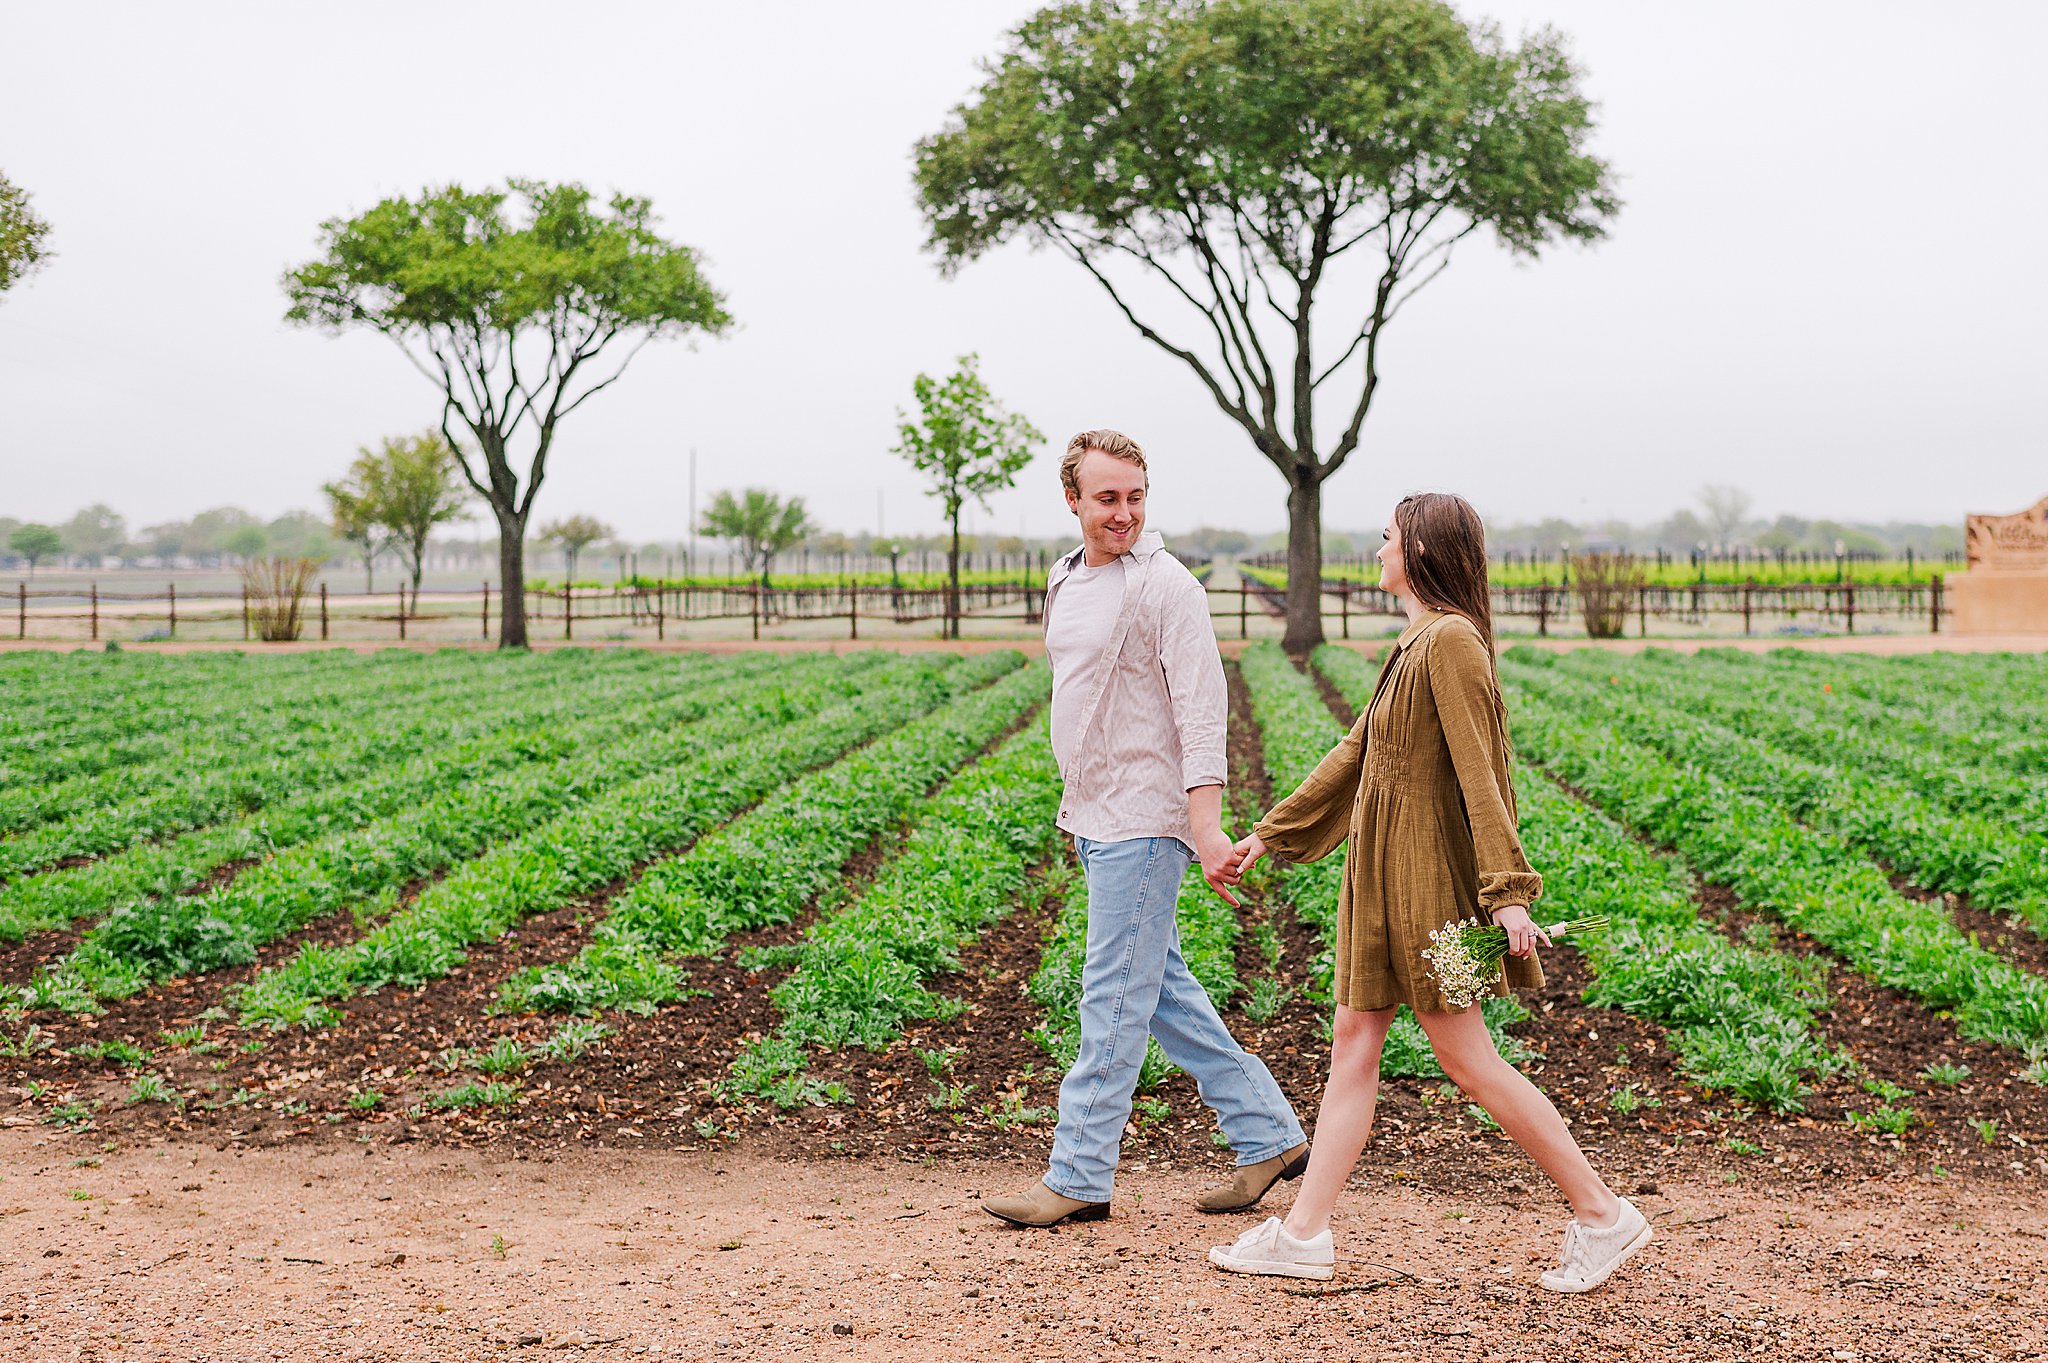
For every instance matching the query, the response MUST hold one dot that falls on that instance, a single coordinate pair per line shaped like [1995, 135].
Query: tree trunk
[1304, 563]
[512, 575]
[953, 581]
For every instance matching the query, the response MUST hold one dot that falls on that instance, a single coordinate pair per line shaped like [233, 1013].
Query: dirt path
[181, 1251]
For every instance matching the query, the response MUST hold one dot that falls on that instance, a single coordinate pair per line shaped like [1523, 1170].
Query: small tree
[22, 252]
[572, 537]
[35, 543]
[397, 494]
[759, 523]
[967, 446]
[517, 323]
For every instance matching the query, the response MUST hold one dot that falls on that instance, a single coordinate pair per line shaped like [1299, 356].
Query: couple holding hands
[1420, 790]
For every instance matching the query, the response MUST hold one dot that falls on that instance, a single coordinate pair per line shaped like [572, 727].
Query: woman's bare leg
[1344, 1121]
[1467, 1053]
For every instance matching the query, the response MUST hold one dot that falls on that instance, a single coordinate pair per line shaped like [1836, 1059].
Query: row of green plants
[763, 868]
[367, 869]
[154, 722]
[1815, 881]
[1794, 712]
[2001, 862]
[1297, 729]
[93, 815]
[114, 688]
[1966, 710]
[550, 725]
[862, 972]
[598, 841]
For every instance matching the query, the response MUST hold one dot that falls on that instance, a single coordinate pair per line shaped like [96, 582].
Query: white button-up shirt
[1140, 707]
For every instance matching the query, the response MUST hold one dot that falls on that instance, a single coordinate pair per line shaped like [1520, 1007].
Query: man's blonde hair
[1115, 444]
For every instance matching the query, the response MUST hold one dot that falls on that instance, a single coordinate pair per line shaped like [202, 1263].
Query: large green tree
[967, 447]
[22, 235]
[759, 523]
[1277, 176]
[517, 318]
[398, 493]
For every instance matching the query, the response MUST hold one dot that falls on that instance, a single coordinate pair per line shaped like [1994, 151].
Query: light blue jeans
[1134, 982]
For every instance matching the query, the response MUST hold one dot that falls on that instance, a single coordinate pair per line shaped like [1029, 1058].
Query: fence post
[95, 610]
[173, 631]
[1745, 608]
[1849, 603]
[853, 612]
[569, 610]
[1543, 609]
[401, 612]
[1642, 610]
[21, 610]
[1344, 607]
[245, 611]
[754, 597]
[1244, 598]
[1934, 606]
[323, 610]
[487, 608]
[661, 613]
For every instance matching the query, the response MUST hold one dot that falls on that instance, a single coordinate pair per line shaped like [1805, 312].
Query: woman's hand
[1248, 850]
[1523, 934]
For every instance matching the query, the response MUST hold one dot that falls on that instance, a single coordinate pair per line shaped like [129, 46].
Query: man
[1138, 715]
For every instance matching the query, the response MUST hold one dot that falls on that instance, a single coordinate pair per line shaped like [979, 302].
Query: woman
[1420, 788]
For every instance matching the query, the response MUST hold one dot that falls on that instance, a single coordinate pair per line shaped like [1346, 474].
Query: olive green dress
[1420, 789]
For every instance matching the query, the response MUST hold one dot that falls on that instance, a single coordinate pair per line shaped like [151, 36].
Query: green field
[824, 843]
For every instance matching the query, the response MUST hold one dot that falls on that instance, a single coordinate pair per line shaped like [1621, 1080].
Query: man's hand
[1218, 856]
[1243, 856]
[1523, 934]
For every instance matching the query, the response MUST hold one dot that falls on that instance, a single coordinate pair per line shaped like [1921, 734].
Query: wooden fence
[1021, 601]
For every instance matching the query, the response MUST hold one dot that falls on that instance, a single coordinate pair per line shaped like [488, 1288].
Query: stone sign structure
[2005, 590]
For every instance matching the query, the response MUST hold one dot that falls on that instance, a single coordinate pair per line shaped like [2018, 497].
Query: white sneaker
[1591, 1255]
[1268, 1248]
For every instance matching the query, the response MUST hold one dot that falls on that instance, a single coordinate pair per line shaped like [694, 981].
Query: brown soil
[166, 1250]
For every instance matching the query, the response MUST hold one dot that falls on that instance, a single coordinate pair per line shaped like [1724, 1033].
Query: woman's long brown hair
[1443, 545]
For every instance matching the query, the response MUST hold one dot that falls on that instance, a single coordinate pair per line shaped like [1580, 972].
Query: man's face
[1111, 505]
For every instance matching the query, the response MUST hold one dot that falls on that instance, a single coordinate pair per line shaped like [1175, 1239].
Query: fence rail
[1022, 601]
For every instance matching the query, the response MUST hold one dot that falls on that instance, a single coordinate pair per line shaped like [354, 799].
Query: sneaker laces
[1574, 1246]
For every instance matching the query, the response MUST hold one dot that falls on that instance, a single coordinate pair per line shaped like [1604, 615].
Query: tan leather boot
[1041, 1206]
[1250, 1182]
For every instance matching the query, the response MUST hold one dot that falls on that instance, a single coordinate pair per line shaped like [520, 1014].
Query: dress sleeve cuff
[1497, 888]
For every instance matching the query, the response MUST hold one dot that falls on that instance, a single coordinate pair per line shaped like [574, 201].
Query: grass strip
[591, 845]
[1813, 880]
[1998, 866]
[861, 973]
[368, 868]
[114, 809]
[545, 727]
[763, 868]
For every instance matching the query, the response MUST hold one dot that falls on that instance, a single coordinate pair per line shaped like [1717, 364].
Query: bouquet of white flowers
[1465, 956]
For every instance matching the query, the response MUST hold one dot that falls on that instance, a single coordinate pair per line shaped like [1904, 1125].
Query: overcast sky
[1826, 286]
